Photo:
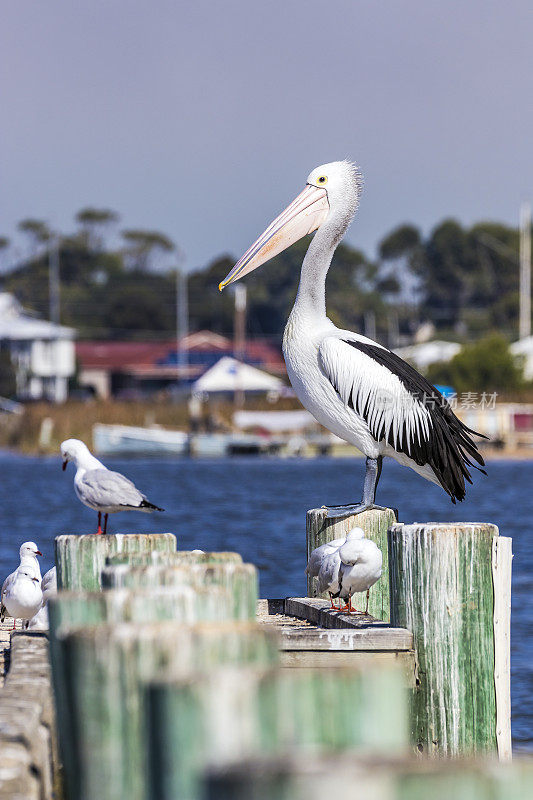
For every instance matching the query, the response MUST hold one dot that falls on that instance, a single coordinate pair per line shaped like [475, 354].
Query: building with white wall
[42, 353]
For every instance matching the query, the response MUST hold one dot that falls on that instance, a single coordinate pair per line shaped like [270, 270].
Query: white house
[42, 353]
[524, 348]
[426, 353]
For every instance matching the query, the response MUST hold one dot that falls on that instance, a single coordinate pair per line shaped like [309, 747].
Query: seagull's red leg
[105, 522]
[99, 522]
[333, 607]
[14, 623]
[367, 599]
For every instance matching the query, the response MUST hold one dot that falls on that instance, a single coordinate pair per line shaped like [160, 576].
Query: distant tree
[144, 247]
[94, 223]
[140, 307]
[401, 242]
[401, 255]
[37, 232]
[4, 247]
[483, 366]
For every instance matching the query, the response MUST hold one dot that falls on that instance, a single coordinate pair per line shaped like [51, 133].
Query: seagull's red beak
[38, 553]
[64, 465]
[36, 580]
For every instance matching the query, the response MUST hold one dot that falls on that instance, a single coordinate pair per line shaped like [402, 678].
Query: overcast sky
[203, 119]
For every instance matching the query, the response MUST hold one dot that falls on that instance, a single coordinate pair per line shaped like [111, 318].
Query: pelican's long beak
[304, 215]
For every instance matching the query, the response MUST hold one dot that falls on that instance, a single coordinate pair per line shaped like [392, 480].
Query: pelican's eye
[322, 179]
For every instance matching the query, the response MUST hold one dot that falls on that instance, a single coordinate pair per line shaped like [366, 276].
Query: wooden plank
[502, 556]
[442, 590]
[323, 659]
[349, 639]
[322, 526]
[318, 612]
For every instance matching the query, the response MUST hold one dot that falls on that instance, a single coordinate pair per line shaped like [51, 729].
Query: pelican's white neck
[311, 297]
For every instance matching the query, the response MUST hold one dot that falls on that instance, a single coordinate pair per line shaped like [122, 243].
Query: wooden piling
[444, 580]
[322, 526]
[80, 559]
[76, 609]
[291, 777]
[239, 579]
[182, 557]
[230, 713]
[105, 668]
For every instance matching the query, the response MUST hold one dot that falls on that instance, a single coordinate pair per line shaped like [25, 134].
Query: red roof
[121, 355]
[142, 357]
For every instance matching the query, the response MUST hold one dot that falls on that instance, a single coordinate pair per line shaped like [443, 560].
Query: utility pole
[370, 325]
[53, 279]
[524, 328]
[55, 308]
[239, 340]
[182, 317]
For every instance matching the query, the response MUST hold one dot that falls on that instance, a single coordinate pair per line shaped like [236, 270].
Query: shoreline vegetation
[41, 427]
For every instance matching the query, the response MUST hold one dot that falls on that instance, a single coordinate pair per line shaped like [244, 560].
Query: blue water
[257, 507]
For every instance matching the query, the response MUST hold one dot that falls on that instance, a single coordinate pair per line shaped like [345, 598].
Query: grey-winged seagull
[360, 567]
[40, 621]
[28, 553]
[23, 597]
[99, 488]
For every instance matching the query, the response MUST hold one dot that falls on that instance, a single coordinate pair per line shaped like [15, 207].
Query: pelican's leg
[372, 476]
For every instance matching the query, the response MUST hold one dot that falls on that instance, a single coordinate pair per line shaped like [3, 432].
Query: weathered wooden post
[291, 777]
[105, 668]
[182, 557]
[450, 586]
[228, 714]
[239, 579]
[322, 526]
[80, 559]
[69, 610]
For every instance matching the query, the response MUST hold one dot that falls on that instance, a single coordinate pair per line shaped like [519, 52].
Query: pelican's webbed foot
[342, 512]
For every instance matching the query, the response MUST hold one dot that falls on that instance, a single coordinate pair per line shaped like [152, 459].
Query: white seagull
[40, 621]
[99, 488]
[23, 597]
[355, 387]
[28, 553]
[330, 564]
[360, 567]
[319, 553]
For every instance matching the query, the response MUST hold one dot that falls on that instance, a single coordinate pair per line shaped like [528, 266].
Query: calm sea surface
[257, 507]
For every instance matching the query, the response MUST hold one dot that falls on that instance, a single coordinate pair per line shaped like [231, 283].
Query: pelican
[353, 386]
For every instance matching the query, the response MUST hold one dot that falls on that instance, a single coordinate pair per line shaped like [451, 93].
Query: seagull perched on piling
[99, 488]
[360, 568]
[23, 596]
[28, 553]
[345, 566]
[325, 563]
[355, 387]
